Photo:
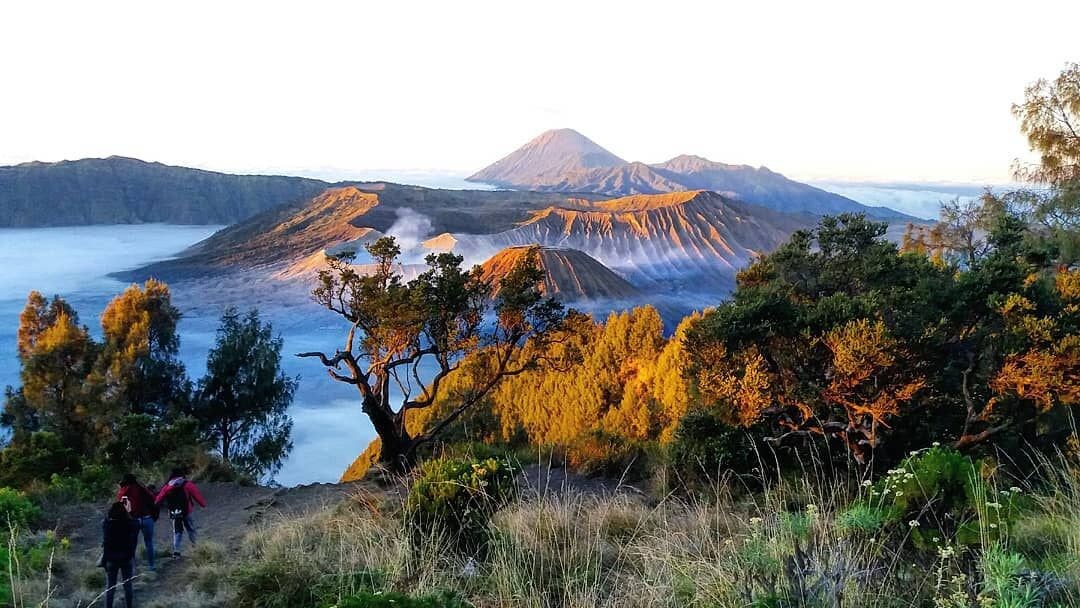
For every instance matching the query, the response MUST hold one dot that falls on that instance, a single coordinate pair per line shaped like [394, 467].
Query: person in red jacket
[140, 504]
[180, 496]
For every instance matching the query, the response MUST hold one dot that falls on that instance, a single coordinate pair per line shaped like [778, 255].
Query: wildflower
[1015, 490]
[914, 453]
[811, 509]
[754, 521]
[867, 483]
[994, 505]
[899, 492]
[936, 444]
[914, 523]
[937, 540]
[993, 526]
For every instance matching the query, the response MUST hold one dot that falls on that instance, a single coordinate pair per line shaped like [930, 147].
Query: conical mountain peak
[550, 154]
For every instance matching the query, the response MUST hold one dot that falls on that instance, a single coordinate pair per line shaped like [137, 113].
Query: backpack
[176, 499]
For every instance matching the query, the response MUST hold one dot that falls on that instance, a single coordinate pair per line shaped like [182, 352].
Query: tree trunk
[226, 445]
[397, 453]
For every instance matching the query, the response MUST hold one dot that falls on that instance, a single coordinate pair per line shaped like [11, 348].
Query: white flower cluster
[892, 481]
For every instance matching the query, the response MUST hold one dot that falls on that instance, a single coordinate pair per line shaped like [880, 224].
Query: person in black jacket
[121, 536]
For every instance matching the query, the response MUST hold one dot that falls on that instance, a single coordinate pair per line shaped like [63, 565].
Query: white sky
[848, 90]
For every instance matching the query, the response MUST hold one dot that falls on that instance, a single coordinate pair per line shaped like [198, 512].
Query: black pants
[127, 570]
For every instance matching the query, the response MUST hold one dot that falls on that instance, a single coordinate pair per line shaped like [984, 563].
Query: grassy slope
[567, 542]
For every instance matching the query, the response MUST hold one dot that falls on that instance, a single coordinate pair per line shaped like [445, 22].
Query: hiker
[120, 537]
[180, 496]
[140, 504]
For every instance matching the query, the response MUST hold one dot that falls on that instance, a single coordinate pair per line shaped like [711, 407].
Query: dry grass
[569, 549]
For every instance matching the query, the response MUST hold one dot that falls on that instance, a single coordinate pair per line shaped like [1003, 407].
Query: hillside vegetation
[119, 190]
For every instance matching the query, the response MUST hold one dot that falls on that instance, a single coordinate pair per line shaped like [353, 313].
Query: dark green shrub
[939, 494]
[5, 583]
[92, 483]
[35, 459]
[144, 440]
[705, 449]
[399, 600]
[458, 497]
[16, 510]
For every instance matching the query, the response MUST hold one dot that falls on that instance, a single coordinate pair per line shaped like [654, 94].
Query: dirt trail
[234, 511]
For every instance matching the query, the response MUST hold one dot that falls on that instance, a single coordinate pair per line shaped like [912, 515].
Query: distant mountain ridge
[343, 213]
[564, 160]
[677, 249]
[687, 241]
[119, 190]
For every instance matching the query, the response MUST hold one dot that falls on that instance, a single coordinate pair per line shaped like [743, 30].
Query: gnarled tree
[405, 338]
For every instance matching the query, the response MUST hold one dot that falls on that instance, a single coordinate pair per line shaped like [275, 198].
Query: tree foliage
[839, 334]
[445, 315]
[612, 388]
[124, 401]
[138, 370]
[56, 356]
[242, 401]
[1050, 118]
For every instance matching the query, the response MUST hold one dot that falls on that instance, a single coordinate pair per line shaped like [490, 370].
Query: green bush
[144, 440]
[16, 510]
[36, 458]
[458, 497]
[5, 583]
[92, 483]
[704, 449]
[939, 495]
[399, 600]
